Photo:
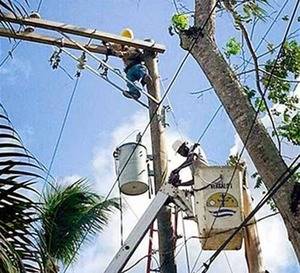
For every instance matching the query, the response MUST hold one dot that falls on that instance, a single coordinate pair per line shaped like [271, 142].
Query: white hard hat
[177, 144]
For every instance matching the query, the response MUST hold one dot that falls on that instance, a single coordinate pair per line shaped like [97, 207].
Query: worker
[191, 154]
[135, 68]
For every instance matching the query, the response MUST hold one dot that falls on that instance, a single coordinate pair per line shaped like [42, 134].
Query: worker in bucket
[135, 68]
[191, 154]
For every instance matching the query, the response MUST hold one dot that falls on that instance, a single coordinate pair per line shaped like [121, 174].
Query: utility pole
[160, 163]
[253, 252]
[151, 49]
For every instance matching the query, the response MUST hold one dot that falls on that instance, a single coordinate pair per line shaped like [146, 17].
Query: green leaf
[233, 47]
[180, 21]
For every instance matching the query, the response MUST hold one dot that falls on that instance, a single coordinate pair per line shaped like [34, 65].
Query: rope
[62, 127]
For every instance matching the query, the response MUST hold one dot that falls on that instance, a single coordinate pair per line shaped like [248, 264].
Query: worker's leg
[133, 74]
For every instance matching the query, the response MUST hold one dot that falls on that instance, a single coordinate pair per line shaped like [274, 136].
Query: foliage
[252, 8]
[279, 89]
[69, 214]
[34, 236]
[18, 8]
[233, 47]
[18, 172]
[180, 21]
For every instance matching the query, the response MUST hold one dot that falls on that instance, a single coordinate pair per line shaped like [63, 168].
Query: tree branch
[244, 31]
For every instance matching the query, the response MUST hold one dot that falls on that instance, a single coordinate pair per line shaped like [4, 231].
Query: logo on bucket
[222, 205]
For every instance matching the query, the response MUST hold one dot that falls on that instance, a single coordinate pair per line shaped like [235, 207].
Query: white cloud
[15, 69]
[97, 254]
[272, 232]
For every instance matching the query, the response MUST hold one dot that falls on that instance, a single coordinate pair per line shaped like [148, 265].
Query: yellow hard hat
[127, 33]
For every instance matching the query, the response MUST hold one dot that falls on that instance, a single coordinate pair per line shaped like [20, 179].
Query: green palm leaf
[69, 214]
[18, 173]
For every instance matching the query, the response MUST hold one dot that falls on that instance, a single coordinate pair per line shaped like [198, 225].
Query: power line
[185, 245]
[228, 262]
[255, 117]
[288, 173]
[62, 127]
[39, 6]
[9, 54]
[209, 123]
[152, 117]
[168, 90]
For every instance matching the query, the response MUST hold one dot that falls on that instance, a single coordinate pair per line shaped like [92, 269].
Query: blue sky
[36, 97]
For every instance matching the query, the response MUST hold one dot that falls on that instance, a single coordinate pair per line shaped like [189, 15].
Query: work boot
[131, 95]
[146, 80]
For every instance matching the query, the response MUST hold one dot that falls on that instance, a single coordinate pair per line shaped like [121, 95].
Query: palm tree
[71, 214]
[18, 173]
[36, 237]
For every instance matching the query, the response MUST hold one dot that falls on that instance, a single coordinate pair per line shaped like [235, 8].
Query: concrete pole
[160, 162]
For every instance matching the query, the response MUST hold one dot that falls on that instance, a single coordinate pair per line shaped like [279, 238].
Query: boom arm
[141, 228]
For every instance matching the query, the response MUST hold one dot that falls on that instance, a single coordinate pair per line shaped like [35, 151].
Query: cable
[39, 6]
[62, 127]
[152, 117]
[185, 245]
[276, 186]
[228, 263]
[138, 261]
[269, 29]
[167, 91]
[172, 112]
[9, 54]
[209, 123]
[121, 218]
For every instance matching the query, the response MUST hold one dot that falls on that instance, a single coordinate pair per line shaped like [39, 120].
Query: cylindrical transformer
[132, 168]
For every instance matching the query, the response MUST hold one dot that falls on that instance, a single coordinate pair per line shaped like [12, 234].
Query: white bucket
[133, 179]
[218, 214]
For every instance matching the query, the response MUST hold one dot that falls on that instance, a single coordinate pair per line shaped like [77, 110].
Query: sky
[36, 98]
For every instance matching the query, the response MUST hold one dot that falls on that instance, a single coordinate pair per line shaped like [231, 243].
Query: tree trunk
[259, 144]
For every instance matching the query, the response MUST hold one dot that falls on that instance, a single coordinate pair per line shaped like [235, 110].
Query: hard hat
[127, 33]
[177, 144]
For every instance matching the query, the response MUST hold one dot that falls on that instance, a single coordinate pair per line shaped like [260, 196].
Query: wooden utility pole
[253, 252]
[99, 38]
[160, 162]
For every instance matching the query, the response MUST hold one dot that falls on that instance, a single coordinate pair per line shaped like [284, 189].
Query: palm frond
[69, 214]
[15, 7]
[18, 173]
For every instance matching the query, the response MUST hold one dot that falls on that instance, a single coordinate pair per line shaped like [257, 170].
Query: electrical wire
[138, 261]
[185, 245]
[228, 262]
[209, 123]
[62, 127]
[172, 112]
[288, 173]
[9, 54]
[167, 91]
[39, 6]
[200, 32]
[121, 218]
